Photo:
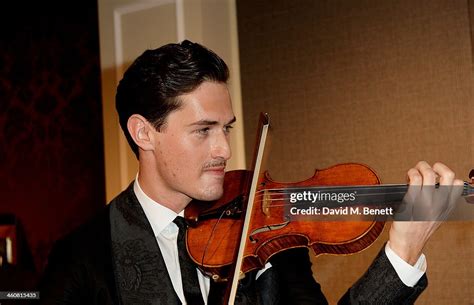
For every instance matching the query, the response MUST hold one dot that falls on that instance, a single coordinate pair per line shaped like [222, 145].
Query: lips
[217, 170]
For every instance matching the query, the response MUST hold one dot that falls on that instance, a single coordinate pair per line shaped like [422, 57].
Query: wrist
[407, 251]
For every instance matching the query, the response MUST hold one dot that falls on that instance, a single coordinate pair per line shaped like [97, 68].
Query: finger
[425, 199]
[445, 194]
[456, 193]
[405, 211]
[429, 175]
[446, 175]
[414, 177]
[453, 198]
[449, 185]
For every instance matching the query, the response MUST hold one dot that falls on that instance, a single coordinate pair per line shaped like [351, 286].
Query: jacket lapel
[140, 272]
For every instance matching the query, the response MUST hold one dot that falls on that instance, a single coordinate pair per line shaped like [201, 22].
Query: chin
[211, 194]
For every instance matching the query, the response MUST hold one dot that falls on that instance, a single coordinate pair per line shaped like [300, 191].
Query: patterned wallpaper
[51, 151]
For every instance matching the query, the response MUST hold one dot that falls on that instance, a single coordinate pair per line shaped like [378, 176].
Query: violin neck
[371, 193]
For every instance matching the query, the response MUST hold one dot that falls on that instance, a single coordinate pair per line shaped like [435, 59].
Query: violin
[219, 235]
[214, 232]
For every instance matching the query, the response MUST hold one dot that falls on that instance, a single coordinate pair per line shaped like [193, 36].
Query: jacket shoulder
[79, 266]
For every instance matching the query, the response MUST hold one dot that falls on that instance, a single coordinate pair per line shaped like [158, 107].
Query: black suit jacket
[115, 259]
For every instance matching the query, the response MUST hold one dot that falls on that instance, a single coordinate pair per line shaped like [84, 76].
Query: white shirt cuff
[408, 274]
[261, 271]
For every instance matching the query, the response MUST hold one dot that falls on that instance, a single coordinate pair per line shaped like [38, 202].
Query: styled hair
[151, 86]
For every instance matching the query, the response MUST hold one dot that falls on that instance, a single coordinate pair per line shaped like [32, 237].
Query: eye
[203, 131]
[228, 128]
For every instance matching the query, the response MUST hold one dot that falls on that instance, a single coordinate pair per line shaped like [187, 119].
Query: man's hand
[424, 201]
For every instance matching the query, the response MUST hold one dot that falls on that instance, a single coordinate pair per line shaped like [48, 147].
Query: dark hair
[152, 84]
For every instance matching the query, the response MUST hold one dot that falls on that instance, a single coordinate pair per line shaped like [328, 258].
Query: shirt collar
[158, 215]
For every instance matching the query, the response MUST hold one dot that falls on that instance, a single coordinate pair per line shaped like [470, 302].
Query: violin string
[259, 199]
[375, 187]
[402, 187]
[335, 188]
[285, 195]
[214, 228]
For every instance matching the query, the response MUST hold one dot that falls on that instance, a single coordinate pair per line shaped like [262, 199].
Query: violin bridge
[266, 202]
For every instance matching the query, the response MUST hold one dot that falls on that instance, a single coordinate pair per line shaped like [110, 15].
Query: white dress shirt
[408, 274]
[166, 233]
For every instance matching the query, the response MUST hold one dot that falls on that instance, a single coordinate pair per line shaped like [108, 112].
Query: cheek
[190, 151]
[167, 161]
[181, 158]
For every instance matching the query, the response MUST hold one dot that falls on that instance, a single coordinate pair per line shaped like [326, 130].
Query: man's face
[192, 148]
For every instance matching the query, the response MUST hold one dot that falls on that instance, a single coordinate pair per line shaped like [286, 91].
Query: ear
[141, 132]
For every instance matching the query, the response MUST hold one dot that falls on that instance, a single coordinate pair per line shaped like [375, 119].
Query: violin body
[215, 229]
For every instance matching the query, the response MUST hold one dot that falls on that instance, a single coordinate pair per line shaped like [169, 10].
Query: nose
[221, 147]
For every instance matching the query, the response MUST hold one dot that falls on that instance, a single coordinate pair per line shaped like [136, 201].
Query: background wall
[385, 83]
[51, 153]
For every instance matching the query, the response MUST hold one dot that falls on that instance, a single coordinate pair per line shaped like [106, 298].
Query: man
[176, 113]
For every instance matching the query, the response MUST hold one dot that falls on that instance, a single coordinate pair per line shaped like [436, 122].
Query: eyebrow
[210, 123]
